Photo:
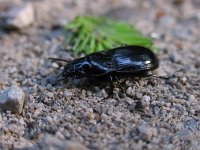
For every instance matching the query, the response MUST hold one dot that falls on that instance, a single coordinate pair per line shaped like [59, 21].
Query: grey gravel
[152, 113]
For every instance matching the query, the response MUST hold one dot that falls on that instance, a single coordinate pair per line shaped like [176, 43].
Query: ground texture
[157, 114]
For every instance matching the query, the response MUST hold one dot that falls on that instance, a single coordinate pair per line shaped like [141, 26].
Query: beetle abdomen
[134, 59]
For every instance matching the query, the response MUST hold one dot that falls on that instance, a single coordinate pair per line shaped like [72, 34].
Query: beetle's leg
[111, 86]
[119, 84]
[160, 77]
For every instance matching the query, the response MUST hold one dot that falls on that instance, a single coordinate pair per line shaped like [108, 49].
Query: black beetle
[126, 60]
[121, 61]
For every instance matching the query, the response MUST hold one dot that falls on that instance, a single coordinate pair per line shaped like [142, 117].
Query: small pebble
[156, 110]
[175, 57]
[155, 35]
[67, 93]
[139, 95]
[146, 132]
[129, 100]
[129, 91]
[183, 79]
[191, 98]
[18, 17]
[55, 65]
[145, 100]
[13, 100]
[50, 95]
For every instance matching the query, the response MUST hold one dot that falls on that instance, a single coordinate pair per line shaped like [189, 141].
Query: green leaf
[90, 34]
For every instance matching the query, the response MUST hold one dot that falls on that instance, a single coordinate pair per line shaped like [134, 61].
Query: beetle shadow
[97, 84]
[112, 88]
[94, 84]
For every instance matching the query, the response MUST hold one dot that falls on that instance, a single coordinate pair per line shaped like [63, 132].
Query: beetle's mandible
[121, 61]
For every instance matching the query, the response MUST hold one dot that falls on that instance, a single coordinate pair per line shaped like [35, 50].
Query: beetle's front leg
[112, 86]
[119, 84]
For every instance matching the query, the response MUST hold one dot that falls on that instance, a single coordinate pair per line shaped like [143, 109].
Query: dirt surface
[158, 114]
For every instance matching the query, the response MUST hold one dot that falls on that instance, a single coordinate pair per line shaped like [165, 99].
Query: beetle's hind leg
[111, 86]
[160, 77]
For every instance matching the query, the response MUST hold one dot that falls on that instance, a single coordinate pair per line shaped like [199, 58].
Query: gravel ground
[158, 114]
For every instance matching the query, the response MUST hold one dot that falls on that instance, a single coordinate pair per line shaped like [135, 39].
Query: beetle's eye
[80, 72]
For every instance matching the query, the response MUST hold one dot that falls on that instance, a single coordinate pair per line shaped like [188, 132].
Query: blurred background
[158, 115]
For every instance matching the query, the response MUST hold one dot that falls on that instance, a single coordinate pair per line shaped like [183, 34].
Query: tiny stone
[49, 119]
[156, 110]
[139, 95]
[59, 110]
[36, 113]
[129, 90]
[49, 94]
[146, 132]
[184, 79]
[37, 49]
[55, 65]
[129, 100]
[104, 94]
[49, 86]
[191, 98]
[67, 93]
[155, 35]
[145, 100]
[55, 107]
[175, 57]
[44, 72]
[92, 121]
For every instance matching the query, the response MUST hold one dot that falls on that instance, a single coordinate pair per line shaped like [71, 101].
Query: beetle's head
[74, 69]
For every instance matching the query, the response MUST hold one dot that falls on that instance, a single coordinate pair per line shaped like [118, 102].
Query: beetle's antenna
[58, 59]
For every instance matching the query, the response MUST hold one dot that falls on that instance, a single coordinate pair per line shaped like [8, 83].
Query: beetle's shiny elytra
[121, 61]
